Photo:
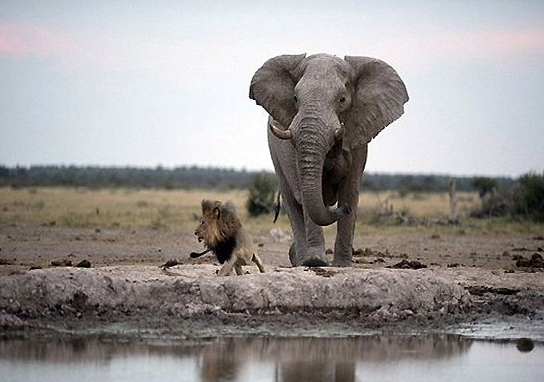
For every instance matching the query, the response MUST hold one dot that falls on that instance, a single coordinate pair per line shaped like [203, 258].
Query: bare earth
[471, 286]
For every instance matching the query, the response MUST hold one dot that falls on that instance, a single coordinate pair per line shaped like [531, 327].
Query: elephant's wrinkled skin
[323, 112]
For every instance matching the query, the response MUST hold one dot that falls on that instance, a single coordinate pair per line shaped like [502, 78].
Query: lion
[223, 234]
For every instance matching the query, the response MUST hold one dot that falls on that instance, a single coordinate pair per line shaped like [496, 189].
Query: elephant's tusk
[339, 133]
[281, 134]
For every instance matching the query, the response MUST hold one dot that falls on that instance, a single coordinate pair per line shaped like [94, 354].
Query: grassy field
[179, 209]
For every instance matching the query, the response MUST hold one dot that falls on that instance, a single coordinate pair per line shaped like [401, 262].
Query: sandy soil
[471, 285]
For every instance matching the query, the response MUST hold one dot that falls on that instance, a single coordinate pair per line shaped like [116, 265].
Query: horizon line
[244, 169]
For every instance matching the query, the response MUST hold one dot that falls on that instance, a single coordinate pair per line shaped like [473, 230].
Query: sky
[148, 83]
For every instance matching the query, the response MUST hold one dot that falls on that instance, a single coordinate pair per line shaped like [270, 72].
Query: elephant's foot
[314, 257]
[315, 262]
[341, 261]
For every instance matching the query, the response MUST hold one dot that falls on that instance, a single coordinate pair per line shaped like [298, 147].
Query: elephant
[323, 112]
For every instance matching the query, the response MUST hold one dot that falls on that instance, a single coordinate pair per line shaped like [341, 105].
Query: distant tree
[484, 185]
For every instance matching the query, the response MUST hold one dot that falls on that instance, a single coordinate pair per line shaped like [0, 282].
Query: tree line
[193, 177]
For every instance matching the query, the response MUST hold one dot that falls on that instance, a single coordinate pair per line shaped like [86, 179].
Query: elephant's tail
[277, 207]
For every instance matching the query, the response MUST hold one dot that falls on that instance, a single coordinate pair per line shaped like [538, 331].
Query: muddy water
[255, 359]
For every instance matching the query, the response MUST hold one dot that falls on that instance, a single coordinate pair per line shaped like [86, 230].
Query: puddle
[259, 359]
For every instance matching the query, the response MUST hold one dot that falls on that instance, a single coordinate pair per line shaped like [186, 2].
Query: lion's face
[200, 229]
[207, 229]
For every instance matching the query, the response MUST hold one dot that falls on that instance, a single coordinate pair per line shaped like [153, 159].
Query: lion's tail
[198, 254]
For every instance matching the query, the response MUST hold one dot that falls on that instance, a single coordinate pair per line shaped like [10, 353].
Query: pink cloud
[417, 47]
[489, 42]
[73, 52]
[18, 40]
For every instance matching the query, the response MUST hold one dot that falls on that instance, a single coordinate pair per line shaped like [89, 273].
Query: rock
[322, 272]
[61, 263]
[84, 264]
[156, 295]
[169, 264]
[523, 263]
[535, 261]
[5, 262]
[525, 344]
[358, 252]
[405, 264]
[11, 321]
[480, 290]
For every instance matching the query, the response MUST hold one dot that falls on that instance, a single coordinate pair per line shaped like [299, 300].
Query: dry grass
[416, 204]
[81, 207]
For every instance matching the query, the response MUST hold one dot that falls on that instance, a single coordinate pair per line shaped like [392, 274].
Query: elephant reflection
[317, 359]
[316, 372]
[220, 362]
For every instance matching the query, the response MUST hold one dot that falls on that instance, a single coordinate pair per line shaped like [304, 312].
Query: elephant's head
[326, 101]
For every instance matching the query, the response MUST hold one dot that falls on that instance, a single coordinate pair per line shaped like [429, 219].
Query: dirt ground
[473, 283]
[24, 246]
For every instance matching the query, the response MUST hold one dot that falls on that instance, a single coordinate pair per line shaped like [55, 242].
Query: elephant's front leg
[294, 211]
[348, 193]
[315, 245]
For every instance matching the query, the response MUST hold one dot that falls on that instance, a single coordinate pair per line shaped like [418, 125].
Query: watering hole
[259, 359]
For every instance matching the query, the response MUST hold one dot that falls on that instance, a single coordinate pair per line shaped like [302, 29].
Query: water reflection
[319, 359]
[231, 359]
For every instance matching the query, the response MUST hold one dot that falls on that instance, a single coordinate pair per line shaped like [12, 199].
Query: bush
[529, 197]
[261, 194]
[484, 185]
[496, 203]
[525, 199]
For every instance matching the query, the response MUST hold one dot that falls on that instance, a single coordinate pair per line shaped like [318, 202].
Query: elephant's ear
[378, 100]
[273, 87]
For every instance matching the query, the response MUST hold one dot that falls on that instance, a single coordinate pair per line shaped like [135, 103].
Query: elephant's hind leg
[348, 194]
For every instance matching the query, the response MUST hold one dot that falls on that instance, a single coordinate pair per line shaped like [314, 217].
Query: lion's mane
[220, 228]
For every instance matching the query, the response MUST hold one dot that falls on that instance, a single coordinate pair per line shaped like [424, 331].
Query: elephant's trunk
[311, 151]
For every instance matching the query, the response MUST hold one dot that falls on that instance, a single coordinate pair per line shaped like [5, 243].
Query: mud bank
[190, 301]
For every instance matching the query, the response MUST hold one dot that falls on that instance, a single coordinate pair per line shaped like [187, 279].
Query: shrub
[525, 199]
[261, 194]
[529, 197]
[497, 203]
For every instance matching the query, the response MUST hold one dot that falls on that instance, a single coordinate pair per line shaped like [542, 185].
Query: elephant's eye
[295, 98]
[342, 100]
